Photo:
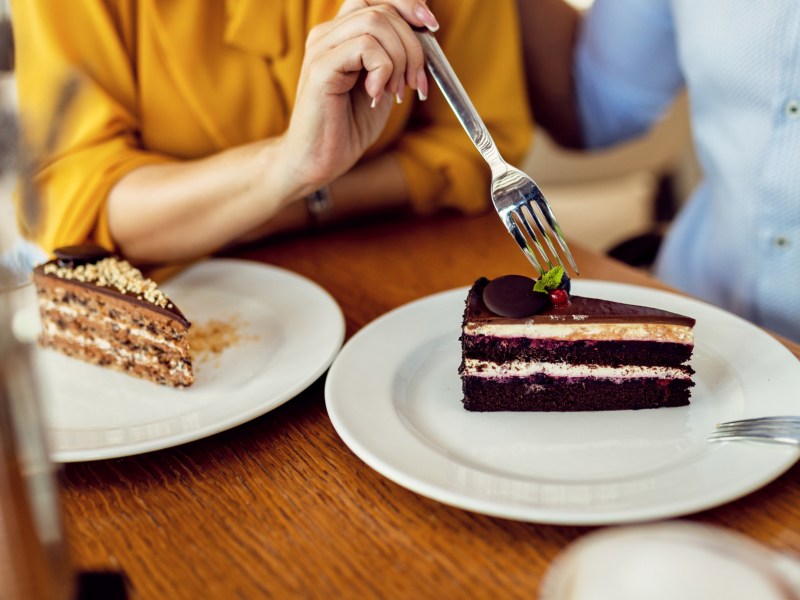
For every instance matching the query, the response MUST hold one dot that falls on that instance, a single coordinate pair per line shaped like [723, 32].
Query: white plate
[291, 330]
[394, 396]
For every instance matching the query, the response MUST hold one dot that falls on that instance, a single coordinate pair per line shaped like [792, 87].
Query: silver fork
[516, 197]
[775, 430]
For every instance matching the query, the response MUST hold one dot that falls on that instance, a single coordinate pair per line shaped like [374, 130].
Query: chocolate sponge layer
[542, 393]
[583, 352]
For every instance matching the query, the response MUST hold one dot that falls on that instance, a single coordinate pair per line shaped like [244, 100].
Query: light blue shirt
[737, 241]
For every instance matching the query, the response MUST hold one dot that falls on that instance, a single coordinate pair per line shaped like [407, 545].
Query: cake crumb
[213, 337]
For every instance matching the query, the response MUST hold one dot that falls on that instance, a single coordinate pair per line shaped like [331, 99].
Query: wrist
[278, 172]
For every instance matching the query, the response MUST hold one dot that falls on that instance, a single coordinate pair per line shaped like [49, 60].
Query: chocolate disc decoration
[512, 296]
[73, 256]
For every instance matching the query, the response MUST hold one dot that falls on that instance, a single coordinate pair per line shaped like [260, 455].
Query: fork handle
[458, 100]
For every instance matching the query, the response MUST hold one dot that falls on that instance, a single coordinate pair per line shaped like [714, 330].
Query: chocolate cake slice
[579, 354]
[100, 309]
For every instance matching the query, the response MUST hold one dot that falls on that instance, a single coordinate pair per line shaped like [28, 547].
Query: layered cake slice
[544, 350]
[99, 308]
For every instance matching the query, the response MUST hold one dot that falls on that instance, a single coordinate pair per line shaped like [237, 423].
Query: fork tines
[776, 420]
[518, 220]
[778, 429]
[776, 437]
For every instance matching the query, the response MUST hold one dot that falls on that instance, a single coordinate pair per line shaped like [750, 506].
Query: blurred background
[7, 97]
[616, 201]
[619, 201]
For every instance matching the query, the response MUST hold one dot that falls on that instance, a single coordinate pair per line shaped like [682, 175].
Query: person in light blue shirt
[736, 243]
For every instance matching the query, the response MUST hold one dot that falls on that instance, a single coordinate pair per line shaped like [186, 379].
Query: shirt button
[781, 241]
[792, 109]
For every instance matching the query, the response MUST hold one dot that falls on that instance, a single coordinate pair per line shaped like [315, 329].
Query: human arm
[181, 208]
[602, 78]
[336, 117]
[372, 186]
[549, 30]
[627, 69]
[424, 160]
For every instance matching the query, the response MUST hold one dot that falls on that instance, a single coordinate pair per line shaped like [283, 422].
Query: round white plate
[394, 396]
[290, 329]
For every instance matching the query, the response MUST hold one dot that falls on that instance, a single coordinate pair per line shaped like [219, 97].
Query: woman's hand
[354, 68]
[182, 210]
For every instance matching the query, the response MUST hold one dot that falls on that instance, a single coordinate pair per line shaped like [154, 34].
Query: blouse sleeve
[80, 152]
[442, 166]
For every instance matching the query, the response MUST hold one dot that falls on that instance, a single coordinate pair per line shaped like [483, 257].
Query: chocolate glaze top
[169, 309]
[579, 309]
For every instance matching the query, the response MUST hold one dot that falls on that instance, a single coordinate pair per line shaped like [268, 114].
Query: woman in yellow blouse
[201, 123]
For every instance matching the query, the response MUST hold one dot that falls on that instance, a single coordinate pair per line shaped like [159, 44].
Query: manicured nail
[424, 14]
[422, 85]
[376, 100]
[400, 93]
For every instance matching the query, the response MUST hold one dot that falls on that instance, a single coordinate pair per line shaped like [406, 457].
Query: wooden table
[280, 507]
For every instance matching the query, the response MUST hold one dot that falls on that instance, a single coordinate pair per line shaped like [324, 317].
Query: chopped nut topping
[113, 273]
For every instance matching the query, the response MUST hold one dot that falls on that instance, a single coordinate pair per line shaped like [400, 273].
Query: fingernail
[400, 93]
[422, 85]
[424, 14]
[376, 100]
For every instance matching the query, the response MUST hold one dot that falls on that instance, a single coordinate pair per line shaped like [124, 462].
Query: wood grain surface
[280, 507]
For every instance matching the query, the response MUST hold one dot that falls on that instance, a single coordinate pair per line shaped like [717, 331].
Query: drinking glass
[670, 560]
[33, 558]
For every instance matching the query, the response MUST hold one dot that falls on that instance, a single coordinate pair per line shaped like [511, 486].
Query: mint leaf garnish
[550, 280]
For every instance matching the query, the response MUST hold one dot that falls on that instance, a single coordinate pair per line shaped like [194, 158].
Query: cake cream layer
[517, 368]
[81, 319]
[660, 332]
[109, 353]
[135, 349]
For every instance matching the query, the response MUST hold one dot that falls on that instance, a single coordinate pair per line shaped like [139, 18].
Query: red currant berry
[559, 297]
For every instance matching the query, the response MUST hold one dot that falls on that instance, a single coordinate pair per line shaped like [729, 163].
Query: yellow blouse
[162, 81]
